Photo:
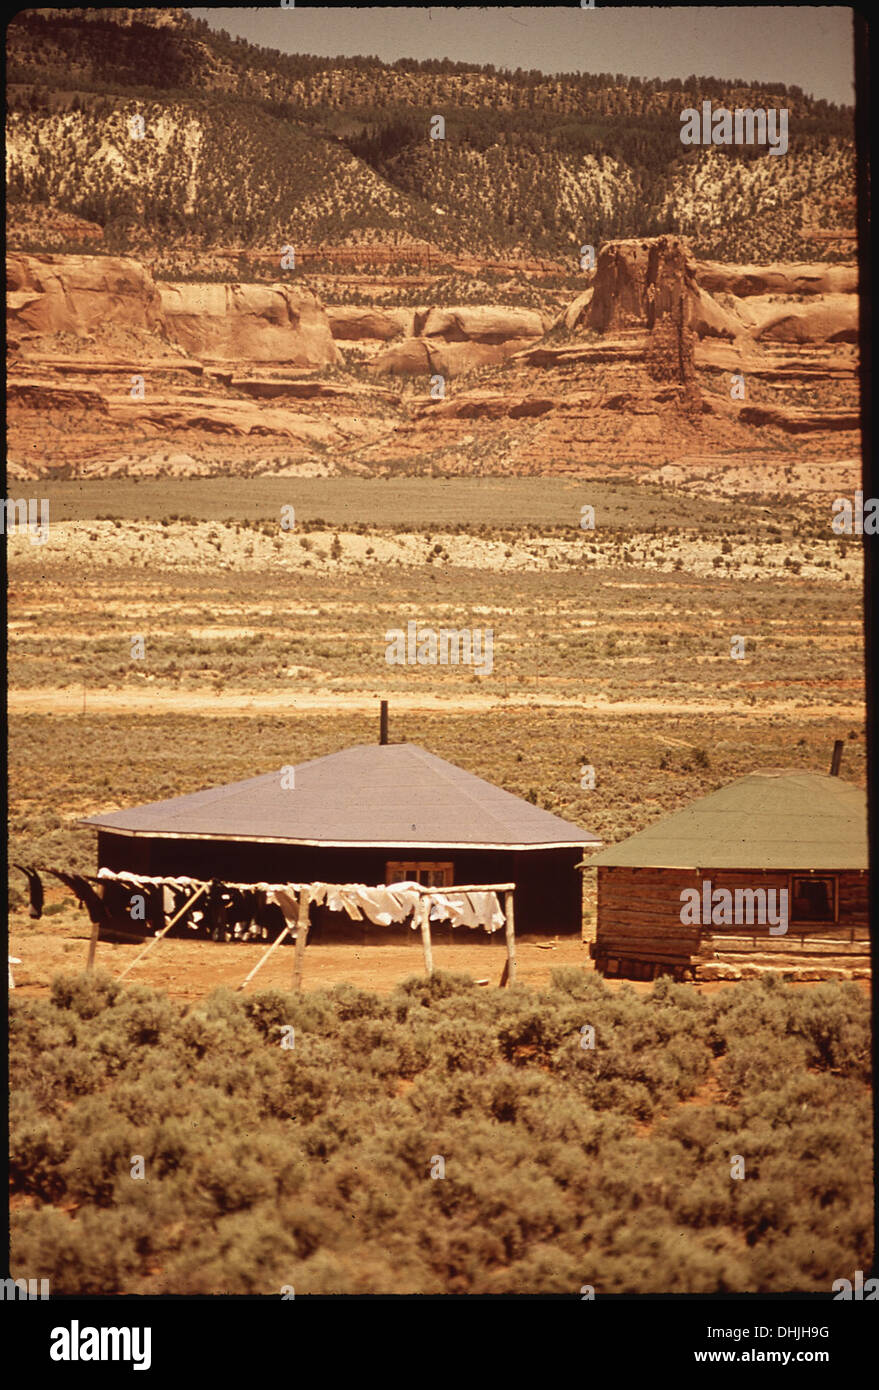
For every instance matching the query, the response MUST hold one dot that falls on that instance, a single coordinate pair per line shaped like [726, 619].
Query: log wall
[640, 934]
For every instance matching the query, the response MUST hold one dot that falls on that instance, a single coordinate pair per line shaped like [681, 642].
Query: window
[430, 875]
[813, 899]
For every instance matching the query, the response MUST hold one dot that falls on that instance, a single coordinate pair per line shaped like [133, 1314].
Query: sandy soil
[215, 546]
[48, 700]
[189, 970]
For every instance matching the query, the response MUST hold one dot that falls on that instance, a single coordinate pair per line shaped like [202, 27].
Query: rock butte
[635, 372]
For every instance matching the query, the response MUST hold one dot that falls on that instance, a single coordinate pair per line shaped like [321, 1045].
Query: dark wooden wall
[639, 916]
[547, 899]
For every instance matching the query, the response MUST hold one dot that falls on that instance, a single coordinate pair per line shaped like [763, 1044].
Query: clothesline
[472, 905]
[381, 904]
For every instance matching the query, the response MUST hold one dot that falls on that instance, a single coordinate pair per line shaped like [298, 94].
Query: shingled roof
[396, 795]
[774, 819]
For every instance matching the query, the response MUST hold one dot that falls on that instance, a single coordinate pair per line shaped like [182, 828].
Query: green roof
[767, 820]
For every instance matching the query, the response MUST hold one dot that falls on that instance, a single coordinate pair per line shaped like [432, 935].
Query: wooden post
[510, 970]
[301, 937]
[264, 957]
[156, 939]
[93, 943]
[837, 758]
[425, 934]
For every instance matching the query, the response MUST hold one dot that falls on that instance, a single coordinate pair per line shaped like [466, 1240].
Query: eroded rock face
[170, 414]
[435, 356]
[83, 295]
[576, 310]
[80, 294]
[481, 324]
[489, 405]
[256, 323]
[829, 318]
[619, 298]
[649, 385]
[638, 282]
[357, 324]
[797, 278]
[458, 339]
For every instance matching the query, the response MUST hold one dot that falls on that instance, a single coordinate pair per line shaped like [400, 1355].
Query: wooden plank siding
[547, 898]
[639, 932]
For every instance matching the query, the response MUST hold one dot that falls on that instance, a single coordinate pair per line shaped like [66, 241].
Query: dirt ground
[190, 970]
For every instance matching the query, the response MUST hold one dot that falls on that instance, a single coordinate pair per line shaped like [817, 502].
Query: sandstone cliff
[84, 295]
[461, 338]
[256, 323]
[79, 294]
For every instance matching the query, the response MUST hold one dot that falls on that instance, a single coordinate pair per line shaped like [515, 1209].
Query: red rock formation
[458, 339]
[80, 294]
[354, 324]
[83, 295]
[256, 323]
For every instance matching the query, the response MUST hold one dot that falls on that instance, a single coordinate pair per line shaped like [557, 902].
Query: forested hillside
[244, 146]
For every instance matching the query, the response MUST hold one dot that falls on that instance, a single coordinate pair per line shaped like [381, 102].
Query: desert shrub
[347, 1002]
[100, 1160]
[699, 1129]
[533, 1034]
[38, 1025]
[578, 984]
[225, 1004]
[232, 1179]
[37, 1151]
[172, 1146]
[705, 1201]
[685, 1063]
[200, 1034]
[762, 1207]
[68, 1072]
[144, 1016]
[461, 1044]
[544, 1269]
[268, 1012]
[90, 1253]
[564, 1165]
[756, 1061]
[247, 1253]
[442, 984]
[87, 995]
[835, 1028]
[414, 1046]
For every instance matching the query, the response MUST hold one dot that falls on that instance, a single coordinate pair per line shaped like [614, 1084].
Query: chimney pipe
[383, 723]
[837, 758]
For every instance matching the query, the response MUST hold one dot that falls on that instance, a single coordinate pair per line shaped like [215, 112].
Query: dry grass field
[630, 622]
[263, 647]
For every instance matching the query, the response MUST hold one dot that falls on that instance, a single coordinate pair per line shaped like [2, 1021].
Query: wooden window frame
[815, 921]
[410, 869]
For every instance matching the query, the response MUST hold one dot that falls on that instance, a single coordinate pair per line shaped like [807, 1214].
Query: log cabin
[798, 839]
[373, 814]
